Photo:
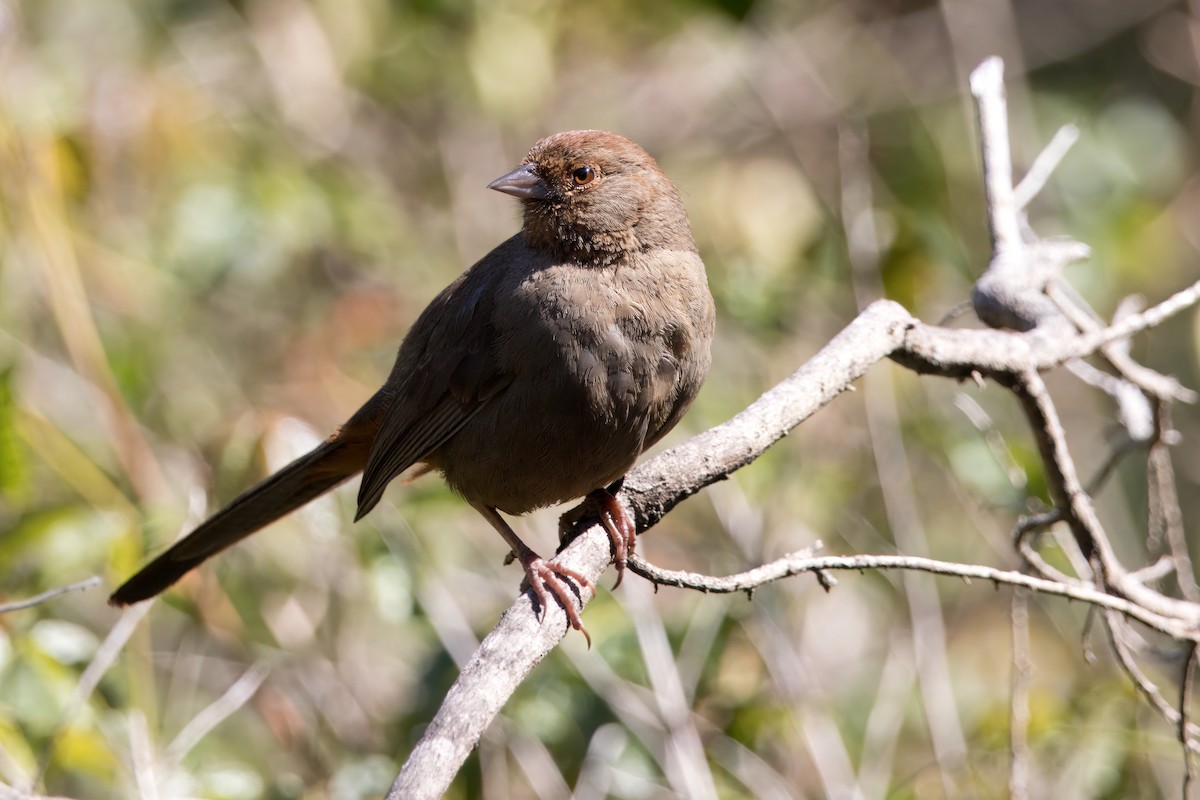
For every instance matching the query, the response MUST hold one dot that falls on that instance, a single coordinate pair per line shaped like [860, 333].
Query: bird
[537, 377]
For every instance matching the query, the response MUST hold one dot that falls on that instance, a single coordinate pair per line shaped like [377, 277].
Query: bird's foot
[546, 578]
[617, 522]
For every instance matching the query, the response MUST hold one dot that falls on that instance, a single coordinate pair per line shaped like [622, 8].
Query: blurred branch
[1022, 673]
[141, 756]
[49, 594]
[106, 655]
[234, 698]
[1124, 653]
[1166, 517]
[1030, 334]
[1185, 701]
[1045, 164]
[897, 485]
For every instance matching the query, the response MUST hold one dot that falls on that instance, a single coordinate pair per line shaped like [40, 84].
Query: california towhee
[537, 377]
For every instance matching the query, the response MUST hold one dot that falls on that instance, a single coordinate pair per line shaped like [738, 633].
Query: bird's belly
[537, 447]
[546, 440]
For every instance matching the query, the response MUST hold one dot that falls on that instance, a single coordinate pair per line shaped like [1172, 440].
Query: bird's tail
[336, 460]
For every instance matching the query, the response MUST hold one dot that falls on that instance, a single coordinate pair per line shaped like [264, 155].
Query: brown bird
[538, 376]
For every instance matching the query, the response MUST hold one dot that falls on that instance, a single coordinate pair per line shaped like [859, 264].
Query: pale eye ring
[582, 176]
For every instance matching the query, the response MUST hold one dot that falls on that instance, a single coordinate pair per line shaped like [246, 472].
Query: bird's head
[596, 197]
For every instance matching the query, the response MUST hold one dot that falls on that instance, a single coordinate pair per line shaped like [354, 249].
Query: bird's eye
[582, 176]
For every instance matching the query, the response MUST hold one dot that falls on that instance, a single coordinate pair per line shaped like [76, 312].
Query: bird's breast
[601, 345]
[600, 364]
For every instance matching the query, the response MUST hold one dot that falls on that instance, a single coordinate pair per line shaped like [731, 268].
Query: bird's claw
[616, 521]
[546, 578]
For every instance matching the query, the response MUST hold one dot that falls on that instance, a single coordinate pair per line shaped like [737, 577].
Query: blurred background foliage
[219, 217]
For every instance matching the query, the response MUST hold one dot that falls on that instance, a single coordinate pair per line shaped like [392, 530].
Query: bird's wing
[445, 372]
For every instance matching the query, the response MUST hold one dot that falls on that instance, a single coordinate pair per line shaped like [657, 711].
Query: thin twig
[1185, 702]
[1166, 517]
[1116, 352]
[142, 756]
[1044, 165]
[987, 86]
[961, 353]
[1134, 411]
[1070, 497]
[1152, 317]
[1153, 573]
[215, 712]
[995, 440]
[1142, 682]
[1022, 672]
[49, 594]
[110, 648]
[1123, 448]
[104, 658]
[799, 562]
[1028, 531]
[886, 720]
[954, 313]
[895, 479]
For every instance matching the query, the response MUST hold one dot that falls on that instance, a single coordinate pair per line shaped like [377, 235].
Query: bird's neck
[664, 226]
[563, 241]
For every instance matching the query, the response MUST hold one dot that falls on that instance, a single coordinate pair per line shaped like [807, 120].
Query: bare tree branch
[1031, 334]
[801, 562]
[1141, 681]
[654, 487]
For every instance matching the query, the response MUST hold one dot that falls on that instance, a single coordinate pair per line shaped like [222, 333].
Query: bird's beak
[522, 182]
